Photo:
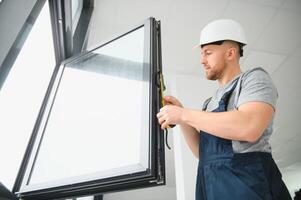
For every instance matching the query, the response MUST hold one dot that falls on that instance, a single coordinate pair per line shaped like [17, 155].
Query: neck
[230, 72]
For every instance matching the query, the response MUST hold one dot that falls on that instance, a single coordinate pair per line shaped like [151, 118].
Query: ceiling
[273, 29]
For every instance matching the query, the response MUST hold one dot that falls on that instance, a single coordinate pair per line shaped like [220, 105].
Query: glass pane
[22, 94]
[76, 9]
[99, 124]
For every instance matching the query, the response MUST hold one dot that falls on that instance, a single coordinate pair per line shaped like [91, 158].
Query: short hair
[220, 42]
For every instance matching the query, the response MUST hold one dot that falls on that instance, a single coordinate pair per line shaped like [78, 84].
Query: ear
[231, 53]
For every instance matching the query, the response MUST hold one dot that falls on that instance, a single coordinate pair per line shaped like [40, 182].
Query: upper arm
[259, 115]
[257, 100]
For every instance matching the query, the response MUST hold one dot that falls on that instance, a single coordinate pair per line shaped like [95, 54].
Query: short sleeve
[257, 86]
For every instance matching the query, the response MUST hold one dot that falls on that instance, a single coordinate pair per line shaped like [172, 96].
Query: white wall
[292, 176]
[12, 12]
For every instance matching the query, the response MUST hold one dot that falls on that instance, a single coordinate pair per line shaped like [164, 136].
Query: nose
[203, 60]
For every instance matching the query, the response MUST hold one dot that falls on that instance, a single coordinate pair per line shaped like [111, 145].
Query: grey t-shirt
[253, 85]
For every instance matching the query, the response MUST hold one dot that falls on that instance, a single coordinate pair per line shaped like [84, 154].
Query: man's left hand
[170, 114]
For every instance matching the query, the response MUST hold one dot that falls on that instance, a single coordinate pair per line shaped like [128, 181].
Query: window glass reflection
[22, 94]
[99, 124]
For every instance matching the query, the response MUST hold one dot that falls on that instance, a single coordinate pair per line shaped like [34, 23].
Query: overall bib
[225, 175]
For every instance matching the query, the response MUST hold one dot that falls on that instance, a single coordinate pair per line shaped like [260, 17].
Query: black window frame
[154, 176]
[76, 34]
[68, 44]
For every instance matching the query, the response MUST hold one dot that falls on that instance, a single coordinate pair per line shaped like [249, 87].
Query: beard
[212, 75]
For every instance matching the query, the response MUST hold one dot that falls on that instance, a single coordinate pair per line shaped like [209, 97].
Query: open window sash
[97, 131]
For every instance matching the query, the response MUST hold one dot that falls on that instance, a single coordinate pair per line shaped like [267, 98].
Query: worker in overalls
[230, 136]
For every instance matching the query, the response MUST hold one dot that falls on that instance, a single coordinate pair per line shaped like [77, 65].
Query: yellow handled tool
[162, 88]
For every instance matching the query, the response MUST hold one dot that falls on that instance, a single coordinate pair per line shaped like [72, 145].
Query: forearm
[191, 136]
[233, 125]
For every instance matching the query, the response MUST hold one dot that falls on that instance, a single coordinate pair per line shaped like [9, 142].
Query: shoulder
[257, 78]
[257, 85]
[256, 74]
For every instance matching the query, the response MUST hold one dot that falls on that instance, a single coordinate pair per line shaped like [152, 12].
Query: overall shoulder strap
[227, 95]
[239, 84]
[205, 104]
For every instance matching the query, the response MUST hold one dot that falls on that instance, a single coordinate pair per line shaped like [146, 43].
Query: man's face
[213, 60]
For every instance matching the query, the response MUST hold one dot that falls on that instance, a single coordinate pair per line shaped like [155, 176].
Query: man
[230, 136]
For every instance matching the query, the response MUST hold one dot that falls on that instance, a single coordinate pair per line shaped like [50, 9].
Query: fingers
[162, 118]
[172, 100]
[169, 99]
[164, 125]
[159, 114]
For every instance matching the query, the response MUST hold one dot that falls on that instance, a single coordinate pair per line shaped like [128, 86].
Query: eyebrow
[205, 50]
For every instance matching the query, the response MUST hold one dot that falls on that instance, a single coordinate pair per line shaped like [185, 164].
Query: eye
[206, 53]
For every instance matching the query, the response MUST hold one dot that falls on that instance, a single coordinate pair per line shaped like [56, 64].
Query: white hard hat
[222, 29]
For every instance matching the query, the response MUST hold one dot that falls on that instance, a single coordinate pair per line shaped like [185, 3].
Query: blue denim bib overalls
[225, 175]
